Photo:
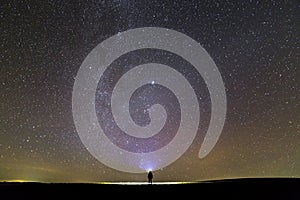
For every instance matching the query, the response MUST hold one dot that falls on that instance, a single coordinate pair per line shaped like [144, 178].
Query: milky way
[254, 44]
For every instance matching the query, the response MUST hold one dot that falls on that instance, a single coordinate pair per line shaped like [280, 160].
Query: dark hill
[243, 188]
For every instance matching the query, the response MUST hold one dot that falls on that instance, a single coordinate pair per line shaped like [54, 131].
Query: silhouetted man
[150, 177]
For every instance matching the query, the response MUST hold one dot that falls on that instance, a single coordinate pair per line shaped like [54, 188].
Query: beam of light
[149, 169]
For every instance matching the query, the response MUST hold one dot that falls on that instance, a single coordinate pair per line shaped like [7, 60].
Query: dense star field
[254, 45]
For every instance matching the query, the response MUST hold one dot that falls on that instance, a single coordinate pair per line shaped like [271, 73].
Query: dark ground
[249, 188]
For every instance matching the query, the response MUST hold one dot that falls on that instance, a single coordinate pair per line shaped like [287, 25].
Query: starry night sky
[254, 44]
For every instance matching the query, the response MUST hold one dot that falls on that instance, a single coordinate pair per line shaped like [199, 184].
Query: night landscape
[95, 94]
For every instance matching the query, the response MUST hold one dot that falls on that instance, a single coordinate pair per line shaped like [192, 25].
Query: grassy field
[258, 188]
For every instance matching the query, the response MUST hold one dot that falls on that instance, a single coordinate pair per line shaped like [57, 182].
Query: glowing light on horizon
[144, 183]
